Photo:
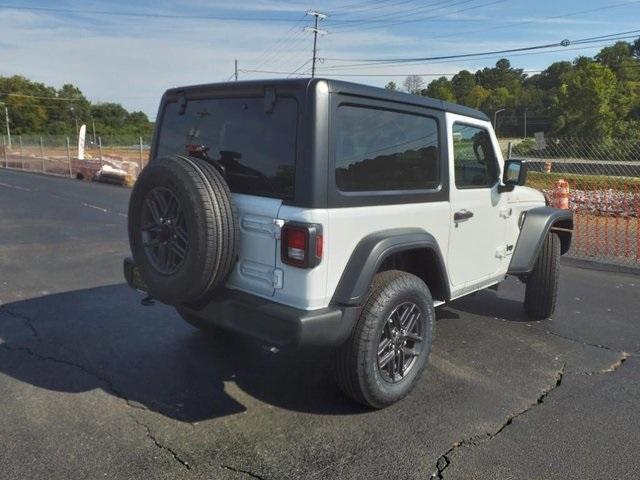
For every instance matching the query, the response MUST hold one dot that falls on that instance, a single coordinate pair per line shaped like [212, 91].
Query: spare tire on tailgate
[183, 229]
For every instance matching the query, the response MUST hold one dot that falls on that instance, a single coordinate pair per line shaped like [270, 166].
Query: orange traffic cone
[561, 195]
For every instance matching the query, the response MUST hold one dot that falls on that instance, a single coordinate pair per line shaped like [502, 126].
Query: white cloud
[133, 60]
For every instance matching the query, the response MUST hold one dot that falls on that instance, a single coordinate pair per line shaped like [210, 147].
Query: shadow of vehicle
[150, 356]
[488, 303]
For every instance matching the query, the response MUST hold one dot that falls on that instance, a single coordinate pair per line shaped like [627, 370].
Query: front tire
[542, 284]
[388, 350]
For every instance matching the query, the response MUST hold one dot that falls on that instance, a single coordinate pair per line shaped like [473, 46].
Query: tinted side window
[475, 162]
[257, 149]
[383, 150]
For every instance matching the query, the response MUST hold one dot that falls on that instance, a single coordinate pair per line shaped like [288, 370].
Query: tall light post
[6, 120]
[495, 117]
[73, 112]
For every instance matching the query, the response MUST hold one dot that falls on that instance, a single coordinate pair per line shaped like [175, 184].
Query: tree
[476, 97]
[413, 84]
[441, 89]
[391, 86]
[462, 84]
[587, 100]
[36, 108]
[502, 75]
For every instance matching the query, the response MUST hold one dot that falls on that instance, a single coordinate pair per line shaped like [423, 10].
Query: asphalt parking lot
[95, 385]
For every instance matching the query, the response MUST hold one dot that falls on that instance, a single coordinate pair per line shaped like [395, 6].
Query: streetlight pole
[495, 117]
[6, 120]
[75, 118]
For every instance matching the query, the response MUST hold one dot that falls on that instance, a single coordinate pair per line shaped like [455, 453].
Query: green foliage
[595, 97]
[441, 89]
[38, 109]
[391, 86]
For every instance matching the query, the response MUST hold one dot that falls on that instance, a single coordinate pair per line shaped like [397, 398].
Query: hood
[526, 195]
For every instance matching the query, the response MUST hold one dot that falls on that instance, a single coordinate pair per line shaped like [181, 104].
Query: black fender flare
[536, 225]
[369, 254]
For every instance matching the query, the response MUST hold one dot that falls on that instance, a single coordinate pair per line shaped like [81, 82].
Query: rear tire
[369, 365]
[542, 285]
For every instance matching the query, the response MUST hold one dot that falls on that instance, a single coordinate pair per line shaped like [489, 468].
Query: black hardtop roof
[339, 86]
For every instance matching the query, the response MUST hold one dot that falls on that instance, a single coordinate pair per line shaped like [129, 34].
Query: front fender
[536, 226]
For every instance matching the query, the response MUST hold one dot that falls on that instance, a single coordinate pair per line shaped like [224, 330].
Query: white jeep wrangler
[325, 213]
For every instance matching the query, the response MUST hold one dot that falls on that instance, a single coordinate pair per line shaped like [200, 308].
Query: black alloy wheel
[399, 343]
[164, 232]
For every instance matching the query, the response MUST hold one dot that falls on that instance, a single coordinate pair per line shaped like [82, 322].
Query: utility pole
[319, 16]
[93, 125]
[235, 74]
[525, 123]
[495, 117]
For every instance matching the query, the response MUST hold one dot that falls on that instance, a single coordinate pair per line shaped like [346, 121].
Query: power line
[381, 23]
[295, 72]
[425, 74]
[541, 19]
[148, 14]
[271, 51]
[388, 17]
[394, 61]
[62, 99]
[495, 57]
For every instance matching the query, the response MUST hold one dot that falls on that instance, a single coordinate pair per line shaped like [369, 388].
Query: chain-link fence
[110, 159]
[603, 181]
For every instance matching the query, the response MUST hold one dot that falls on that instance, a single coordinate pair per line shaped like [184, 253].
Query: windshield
[256, 149]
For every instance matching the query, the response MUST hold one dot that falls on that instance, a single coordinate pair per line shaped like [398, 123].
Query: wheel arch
[409, 249]
[536, 225]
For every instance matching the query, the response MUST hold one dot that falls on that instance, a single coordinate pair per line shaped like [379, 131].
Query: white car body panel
[476, 252]
[254, 271]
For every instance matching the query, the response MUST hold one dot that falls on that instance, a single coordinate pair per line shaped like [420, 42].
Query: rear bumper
[273, 323]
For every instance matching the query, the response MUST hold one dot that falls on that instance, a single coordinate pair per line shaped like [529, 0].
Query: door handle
[462, 215]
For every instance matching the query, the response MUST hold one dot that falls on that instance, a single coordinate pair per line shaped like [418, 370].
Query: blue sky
[132, 60]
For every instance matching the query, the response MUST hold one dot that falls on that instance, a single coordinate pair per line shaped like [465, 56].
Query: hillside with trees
[595, 97]
[39, 109]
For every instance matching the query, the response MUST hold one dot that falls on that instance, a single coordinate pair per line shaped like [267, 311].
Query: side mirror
[515, 173]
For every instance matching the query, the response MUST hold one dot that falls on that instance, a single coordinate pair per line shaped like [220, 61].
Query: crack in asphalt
[624, 356]
[160, 445]
[444, 460]
[26, 320]
[245, 472]
[108, 386]
[587, 344]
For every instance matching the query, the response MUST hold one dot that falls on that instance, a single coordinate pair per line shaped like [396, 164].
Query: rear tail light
[301, 244]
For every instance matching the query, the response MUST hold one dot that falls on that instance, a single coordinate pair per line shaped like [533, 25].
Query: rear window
[385, 150]
[256, 149]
